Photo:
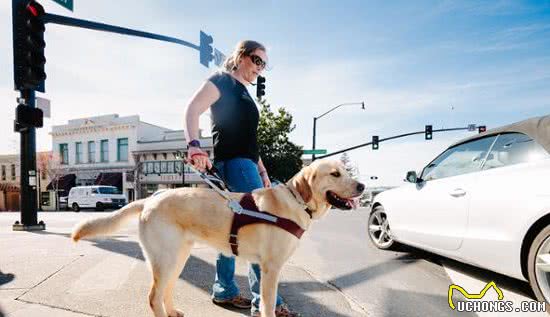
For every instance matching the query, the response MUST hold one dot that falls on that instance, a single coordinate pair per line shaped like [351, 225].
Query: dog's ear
[301, 183]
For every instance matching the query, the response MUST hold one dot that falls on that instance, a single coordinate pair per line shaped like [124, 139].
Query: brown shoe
[237, 302]
[280, 311]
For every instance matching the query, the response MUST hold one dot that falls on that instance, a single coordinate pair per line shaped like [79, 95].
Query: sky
[445, 63]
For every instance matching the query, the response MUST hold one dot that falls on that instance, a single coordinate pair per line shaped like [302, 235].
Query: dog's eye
[335, 174]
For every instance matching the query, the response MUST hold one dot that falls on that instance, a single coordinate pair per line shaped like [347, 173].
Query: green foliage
[352, 170]
[281, 157]
[365, 199]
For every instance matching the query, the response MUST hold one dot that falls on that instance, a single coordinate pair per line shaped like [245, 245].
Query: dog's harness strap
[246, 213]
[242, 219]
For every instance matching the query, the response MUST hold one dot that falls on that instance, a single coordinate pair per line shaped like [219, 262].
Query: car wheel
[538, 265]
[76, 208]
[379, 229]
[99, 207]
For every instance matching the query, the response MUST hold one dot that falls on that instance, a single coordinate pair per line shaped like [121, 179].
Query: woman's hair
[243, 48]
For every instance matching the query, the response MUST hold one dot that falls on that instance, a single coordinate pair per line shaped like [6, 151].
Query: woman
[234, 131]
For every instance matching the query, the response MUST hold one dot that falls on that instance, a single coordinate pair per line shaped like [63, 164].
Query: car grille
[118, 200]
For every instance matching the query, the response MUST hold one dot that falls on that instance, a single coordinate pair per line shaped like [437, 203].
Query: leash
[233, 205]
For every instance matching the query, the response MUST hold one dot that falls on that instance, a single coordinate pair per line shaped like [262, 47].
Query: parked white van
[98, 197]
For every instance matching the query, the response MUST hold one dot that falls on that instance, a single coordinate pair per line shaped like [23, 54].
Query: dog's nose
[360, 187]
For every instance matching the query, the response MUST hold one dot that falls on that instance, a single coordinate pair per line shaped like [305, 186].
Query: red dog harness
[241, 220]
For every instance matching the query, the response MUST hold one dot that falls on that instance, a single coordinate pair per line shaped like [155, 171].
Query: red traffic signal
[28, 45]
[481, 128]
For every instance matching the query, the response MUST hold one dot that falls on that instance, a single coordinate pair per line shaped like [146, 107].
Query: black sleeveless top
[234, 120]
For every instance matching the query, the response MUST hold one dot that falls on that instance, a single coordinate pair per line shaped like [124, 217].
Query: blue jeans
[240, 175]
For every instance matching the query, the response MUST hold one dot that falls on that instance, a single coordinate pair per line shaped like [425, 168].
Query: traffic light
[27, 117]
[428, 132]
[206, 51]
[28, 45]
[375, 142]
[260, 87]
[481, 129]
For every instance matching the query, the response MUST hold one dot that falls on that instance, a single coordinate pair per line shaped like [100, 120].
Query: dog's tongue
[353, 202]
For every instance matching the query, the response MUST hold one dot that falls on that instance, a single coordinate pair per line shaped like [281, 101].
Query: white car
[98, 197]
[484, 201]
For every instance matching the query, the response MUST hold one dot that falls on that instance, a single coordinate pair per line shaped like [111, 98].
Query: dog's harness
[246, 212]
[243, 219]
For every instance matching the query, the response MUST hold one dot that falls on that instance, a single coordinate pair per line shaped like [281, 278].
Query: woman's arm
[207, 95]
[263, 173]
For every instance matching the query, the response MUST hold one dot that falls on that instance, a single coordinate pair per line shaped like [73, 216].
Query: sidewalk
[46, 274]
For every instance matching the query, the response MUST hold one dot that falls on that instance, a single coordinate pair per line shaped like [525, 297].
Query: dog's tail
[108, 224]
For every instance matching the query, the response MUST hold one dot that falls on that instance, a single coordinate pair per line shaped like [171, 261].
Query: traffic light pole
[313, 143]
[391, 138]
[28, 175]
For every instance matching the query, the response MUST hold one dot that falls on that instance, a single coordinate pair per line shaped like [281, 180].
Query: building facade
[160, 165]
[137, 157]
[10, 181]
[97, 150]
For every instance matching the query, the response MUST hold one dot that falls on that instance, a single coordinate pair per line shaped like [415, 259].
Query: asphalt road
[410, 283]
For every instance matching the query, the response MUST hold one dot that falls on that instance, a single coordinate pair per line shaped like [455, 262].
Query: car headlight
[107, 200]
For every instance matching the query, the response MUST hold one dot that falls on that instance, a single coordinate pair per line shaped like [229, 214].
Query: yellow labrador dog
[170, 222]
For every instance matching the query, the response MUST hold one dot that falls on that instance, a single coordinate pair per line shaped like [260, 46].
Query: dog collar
[301, 201]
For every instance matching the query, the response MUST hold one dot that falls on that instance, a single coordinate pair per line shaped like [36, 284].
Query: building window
[78, 151]
[64, 153]
[13, 172]
[3, 172]
[104, 157]
[171, 167]
[150, 168]
[122, 150]
[91, 151]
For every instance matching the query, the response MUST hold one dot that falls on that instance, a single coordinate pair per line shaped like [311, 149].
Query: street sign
[219, 58]
[314, 152]
[68, 4]
[44, 104]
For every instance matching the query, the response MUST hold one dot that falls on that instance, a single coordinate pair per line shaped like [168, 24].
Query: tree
[353, 171]
[50, 164]
[282, 158]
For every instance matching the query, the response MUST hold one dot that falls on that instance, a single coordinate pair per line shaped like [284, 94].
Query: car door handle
[458, 192]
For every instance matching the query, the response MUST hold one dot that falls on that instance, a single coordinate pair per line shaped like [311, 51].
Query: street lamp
[319, 117]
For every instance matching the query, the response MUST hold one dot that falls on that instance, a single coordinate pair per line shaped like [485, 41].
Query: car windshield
[109, 190]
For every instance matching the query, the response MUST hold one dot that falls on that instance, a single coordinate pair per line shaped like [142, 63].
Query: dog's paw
[176, 313]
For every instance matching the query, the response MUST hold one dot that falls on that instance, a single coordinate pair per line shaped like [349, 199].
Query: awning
[64, 184]
[109, 179]
[9, 187]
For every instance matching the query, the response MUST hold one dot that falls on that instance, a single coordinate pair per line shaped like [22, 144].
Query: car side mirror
[412, 177]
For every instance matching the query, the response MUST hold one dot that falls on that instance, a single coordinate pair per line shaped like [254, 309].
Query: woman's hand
[198, 158]
[265, 179]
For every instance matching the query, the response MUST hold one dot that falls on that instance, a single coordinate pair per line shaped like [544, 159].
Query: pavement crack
[48, 277]
[58, 307]
[352, 301]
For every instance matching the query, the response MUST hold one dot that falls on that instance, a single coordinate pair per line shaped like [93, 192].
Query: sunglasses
[258, 61]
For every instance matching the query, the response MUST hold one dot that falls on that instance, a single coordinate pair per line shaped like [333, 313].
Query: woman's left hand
[265, 179]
